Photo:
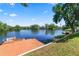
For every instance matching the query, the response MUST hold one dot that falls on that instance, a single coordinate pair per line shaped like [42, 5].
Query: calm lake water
[42, 35]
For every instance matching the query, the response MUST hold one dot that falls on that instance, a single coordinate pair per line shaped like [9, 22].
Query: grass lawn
[70, 48]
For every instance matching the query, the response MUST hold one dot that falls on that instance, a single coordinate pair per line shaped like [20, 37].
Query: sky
[34, 13]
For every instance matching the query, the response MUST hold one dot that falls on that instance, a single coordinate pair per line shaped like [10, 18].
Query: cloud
[10, 20]
[5, 13]
[13, 15]
[12, 4]
[45, 11]
[33, 19]
[1, 10]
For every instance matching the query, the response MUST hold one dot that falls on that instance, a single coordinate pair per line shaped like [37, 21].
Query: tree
[3, 27]
[34, 27]
[50, 26]
[68, 12]
[10, 28]
[17, 28]
[24, 4]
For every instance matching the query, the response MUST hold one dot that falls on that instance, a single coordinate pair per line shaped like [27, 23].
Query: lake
[41, 35]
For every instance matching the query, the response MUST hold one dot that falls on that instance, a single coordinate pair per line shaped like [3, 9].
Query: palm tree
[68, 12]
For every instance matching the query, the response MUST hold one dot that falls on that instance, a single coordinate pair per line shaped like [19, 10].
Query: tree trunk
[72, 28]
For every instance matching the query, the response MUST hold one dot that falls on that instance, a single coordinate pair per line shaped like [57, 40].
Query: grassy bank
[69, 48]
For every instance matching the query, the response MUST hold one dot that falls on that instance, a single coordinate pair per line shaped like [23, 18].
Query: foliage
[17, 28]
[50, 26]
[68, 12]
[24, 4]
[65, 27]
[3, 27]
[34, 27]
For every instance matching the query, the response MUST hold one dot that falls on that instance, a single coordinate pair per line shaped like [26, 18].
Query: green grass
[69, 48]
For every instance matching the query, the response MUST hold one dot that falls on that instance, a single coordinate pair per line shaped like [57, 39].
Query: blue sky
[35, 13]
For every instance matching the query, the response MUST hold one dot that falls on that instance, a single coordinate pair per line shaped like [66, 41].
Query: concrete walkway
[16, 47]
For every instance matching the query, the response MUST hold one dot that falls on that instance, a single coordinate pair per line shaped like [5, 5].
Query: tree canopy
[68, 12]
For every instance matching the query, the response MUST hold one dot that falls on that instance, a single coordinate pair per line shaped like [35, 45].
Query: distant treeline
[4, 27]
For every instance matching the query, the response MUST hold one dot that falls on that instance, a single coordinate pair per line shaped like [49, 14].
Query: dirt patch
[17, 47]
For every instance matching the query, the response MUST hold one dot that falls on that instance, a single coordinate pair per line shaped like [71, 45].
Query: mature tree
[67, 11]
[24, 4]
[34, 27]
[17, 28]
[3, 27]
[50, 26]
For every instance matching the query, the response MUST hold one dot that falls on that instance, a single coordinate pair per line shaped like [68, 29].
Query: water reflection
[51, 32]
[3, 33]
[35, 31]
[41, 35]
[3, 36]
